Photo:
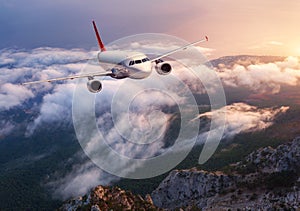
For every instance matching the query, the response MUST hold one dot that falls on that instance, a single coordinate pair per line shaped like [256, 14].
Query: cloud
[145, 115]
[241, 118]
[205, 51]
[266, 77]
[55, 108]
[27, 65]
[6, 127]
[79, 180]
[275, 43]
[18, 66]
[150, 116]
[12, 95]
[133, 119]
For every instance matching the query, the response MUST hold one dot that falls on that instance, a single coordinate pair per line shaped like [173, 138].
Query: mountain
[266, 179]
[105, 198]
[245, 60]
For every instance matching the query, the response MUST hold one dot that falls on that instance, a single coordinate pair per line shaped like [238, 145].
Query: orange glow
[254, 27]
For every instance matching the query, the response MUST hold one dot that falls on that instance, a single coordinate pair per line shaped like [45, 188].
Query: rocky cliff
[184, 188]
[267, 178]
[105, 198]
[285, 157]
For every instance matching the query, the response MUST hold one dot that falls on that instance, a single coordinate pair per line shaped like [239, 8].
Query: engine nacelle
[94, 86]
[163, 68]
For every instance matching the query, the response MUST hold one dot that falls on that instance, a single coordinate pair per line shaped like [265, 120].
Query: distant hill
[245, 60]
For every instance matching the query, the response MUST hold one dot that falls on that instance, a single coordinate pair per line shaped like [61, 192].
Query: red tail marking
[100, 43]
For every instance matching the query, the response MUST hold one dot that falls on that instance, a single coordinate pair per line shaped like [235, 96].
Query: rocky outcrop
[285, 157]
[105, 198]
[191, 187]
[267, 179]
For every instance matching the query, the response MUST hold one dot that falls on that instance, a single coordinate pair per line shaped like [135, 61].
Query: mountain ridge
[268, 178]
[254, 183]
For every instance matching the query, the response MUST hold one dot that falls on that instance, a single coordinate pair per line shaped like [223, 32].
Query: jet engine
[94, 86]
[163, 68]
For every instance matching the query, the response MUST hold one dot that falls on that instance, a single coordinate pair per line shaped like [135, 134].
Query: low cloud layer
[13, 95]
[27, 65]
[79, 180]
[56, 108]
[267, 77]
[55, 104]
[241, 118]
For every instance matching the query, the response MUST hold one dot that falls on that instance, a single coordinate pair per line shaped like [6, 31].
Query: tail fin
[100, 43]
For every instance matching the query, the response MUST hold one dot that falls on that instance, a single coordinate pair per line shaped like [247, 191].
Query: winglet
[206, 37]
[100, 43]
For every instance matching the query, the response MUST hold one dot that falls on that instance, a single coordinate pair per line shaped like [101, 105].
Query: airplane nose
[148, 67]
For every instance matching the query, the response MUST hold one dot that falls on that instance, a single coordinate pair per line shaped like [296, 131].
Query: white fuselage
[137, 64]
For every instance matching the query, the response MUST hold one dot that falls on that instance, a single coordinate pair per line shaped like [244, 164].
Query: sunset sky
[268, 27]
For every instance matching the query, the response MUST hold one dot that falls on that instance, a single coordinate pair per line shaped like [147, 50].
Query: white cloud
[56, 107]
[263, 77]
[205, 51]
[20, 65]
[241, 118]
[42, 63]
[13, 95]
[79, 180]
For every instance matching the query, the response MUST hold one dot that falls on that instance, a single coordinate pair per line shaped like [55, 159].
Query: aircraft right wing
[179, 49]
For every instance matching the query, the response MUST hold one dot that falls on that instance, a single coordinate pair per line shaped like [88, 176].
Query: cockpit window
[138, 61]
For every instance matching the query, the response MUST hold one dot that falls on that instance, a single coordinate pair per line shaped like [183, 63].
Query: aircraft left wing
[70, 77]
[179, 49]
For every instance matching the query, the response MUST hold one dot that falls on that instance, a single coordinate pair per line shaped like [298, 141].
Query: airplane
[127, 64]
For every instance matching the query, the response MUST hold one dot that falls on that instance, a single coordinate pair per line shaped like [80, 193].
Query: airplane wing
[70, 77]
[179, 49]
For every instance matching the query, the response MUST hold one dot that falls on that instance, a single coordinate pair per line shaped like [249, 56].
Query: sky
[268, 27]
